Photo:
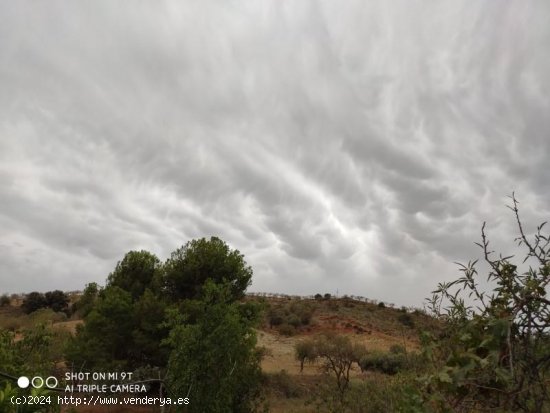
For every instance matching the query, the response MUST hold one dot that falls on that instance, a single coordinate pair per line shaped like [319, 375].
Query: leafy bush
[287, 330]
[397, 349]
[33, 301]
[57, 300]
[283, 384]
[381, 304]
[294, 321]
[494, 353]
[5, 300]
[275, 317]
[406, 320]
[387, 363]
[387, 394]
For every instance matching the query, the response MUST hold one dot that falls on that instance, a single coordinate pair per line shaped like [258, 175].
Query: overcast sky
[352, 146]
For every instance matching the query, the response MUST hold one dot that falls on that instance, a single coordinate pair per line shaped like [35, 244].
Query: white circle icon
[51, 382]
[35, 380]
[23, 382]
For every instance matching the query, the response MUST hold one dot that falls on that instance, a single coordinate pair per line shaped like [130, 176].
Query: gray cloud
[348, 146]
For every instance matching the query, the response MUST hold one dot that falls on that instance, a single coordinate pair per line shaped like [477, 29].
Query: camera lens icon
[37, 382]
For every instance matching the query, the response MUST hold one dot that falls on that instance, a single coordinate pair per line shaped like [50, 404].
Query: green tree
[150, 330]
[214, 359]
[338, 354]
[87, 301]
[57, 300]
[135, 273]
[104, 340]
[4, 300]
[305, 351]
[189, 267]
[33, 301]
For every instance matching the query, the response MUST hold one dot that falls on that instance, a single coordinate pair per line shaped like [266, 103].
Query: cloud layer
[351, 146]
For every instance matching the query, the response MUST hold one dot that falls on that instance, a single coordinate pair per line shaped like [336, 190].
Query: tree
[104, 341]
[33, 301]
[150, 330]
[494, 353]
[305, 351]
[338, 354]
[214, 360]
[135, 273]
[57, 300]
[189, 267]
[5, 300]
[87, 301]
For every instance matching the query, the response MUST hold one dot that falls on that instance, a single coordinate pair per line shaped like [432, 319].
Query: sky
[350, 147]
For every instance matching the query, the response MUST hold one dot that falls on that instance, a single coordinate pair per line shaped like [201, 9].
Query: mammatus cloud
[348, 146]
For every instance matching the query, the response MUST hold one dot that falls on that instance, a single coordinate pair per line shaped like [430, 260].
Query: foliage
[103, 341]
[214, 359]
[4, 300]
[294, 313]
[33, 301]
[87, 301]
[338, 354]
[406, 320]
[381, 304]
[135, 273]
[387, 363]
[495, 352]
[397, 349]
[305, 351]
[149, 330]
[385, 394]
[56, 300]
[36, 353]
[287, 330]
[189, 267]
[283, 384]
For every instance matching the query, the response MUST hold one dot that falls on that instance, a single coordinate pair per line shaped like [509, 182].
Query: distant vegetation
[187, 326]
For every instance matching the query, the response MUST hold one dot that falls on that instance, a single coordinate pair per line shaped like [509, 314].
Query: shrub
[57, 300]
[275, 317]
[318, 296]
[294, 321]
[5, 300]
[406, 320]
[287, 330]
[381, 304]
[387, 394]
[33, 301]
[493, 353]
[386, 363]
[397, 349]
[327, 296]
[282, 383]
